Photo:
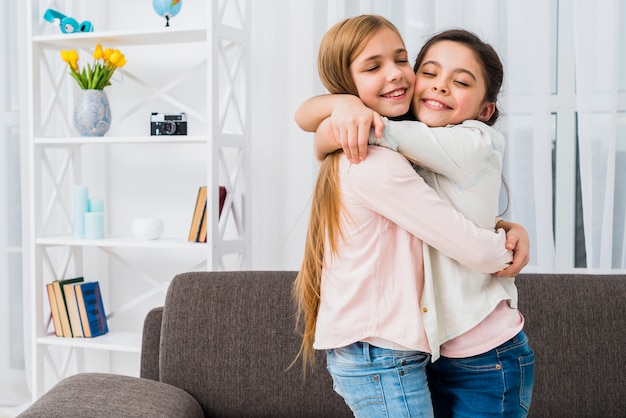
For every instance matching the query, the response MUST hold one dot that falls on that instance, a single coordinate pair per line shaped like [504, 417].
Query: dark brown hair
[493, 71]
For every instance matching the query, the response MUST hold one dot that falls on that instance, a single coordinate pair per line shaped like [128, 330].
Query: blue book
[91, 309]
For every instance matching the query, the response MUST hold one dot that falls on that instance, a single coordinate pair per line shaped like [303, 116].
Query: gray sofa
[222, 344]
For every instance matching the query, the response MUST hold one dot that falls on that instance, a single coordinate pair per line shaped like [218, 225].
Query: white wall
[283, 168]
[284, 74]
[13, 388]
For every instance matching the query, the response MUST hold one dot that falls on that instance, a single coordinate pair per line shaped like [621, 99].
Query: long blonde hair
[338, 48]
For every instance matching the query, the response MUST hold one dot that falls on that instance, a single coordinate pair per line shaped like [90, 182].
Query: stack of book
[198, 229]
[76, 308]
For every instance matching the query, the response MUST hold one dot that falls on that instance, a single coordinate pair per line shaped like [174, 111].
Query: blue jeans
[498, 383]
[377, 382]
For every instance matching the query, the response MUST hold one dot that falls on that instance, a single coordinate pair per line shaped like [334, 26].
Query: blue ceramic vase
[92, 113]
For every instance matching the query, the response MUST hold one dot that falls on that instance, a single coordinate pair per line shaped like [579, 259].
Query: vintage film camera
[168, 124]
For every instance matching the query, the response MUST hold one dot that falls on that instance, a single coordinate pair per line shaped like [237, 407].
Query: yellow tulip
[97, 54]
[69, 56]
[121, 62]
[107, 54]
[115, 56]
[98, 75]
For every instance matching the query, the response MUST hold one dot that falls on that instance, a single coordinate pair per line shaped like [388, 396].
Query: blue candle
[81, 205]
[94, 225]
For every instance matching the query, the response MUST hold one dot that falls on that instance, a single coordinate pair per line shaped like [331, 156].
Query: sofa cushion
[576, 325]
[228, 339]
[99, 395]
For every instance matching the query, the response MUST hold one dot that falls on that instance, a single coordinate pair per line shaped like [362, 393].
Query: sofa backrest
[576, 325]
[228, 339]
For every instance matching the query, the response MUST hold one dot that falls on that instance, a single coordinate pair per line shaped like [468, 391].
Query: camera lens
[169, 127]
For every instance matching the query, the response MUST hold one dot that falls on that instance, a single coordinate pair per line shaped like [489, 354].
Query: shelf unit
[214, 90]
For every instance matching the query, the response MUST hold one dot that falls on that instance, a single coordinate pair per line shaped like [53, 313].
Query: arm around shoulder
[314, 110]
[324, 140]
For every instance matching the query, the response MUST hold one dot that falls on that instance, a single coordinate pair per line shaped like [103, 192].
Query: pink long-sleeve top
[371, 289]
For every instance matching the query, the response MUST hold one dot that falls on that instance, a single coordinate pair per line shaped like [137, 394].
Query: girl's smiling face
[450, 86]
[382, 74]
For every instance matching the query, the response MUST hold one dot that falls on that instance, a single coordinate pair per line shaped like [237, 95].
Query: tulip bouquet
[98, 75]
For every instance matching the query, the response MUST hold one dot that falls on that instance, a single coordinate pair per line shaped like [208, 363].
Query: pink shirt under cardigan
[371, 289]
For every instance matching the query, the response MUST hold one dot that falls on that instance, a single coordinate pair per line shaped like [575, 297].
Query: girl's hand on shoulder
[352, 121]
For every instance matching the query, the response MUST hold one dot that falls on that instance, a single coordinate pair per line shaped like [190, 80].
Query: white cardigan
[463, 163]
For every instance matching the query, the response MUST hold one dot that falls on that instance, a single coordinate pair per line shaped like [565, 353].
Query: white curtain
[13, 389]
[564, 115]
[601, 134]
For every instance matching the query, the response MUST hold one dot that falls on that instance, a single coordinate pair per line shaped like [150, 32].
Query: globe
[167, 8]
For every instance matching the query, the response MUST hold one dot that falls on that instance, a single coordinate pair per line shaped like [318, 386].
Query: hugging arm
[397, 190]
[388, 185]
[314, 110]
[516, 238]
[517, 241]
[351, 122]
[459, 152]
[324, 140]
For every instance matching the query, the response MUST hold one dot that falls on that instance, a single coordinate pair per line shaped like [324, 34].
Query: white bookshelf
[216, 152]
